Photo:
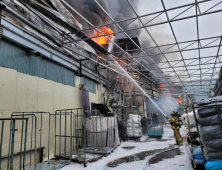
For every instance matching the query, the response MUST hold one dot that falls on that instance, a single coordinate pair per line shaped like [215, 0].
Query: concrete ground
[179, 162]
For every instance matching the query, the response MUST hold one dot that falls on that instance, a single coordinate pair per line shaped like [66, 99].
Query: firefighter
[176, 128]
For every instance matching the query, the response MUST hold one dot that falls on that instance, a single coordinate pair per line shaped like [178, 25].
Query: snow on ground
[180, 162]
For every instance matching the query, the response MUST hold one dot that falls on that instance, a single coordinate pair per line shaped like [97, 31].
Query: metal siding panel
[63, 75]
[73, 80]
[89, 83]
[44, 69]
[32, 65]
[15, 57]
[27, 70]
[1, 52]
[66, 77]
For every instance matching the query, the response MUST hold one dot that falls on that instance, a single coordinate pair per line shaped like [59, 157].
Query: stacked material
[102, 132]
[189, 118]
[134, 126]
[196, 155]
[211, 130]
[194, 145]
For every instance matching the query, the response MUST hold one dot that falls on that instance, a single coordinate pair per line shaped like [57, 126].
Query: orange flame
[161, 86]
[103, 39]
[179, 100]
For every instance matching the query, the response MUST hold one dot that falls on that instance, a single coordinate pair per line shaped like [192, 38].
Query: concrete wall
[24, 93]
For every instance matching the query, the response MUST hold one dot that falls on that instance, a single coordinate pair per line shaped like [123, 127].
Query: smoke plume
[167, 103]
[121, 10]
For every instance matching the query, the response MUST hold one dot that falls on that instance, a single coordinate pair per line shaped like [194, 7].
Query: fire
[103, 39]
[179, 100]
[161, 86]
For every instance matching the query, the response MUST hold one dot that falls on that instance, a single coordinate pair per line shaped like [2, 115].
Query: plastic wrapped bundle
[206, 112]
[213, 165]
[212, 155]
[210, 133]
[188, 117]
[136, 132]
[134, 126]
[209, 121]
[213, 145]
[134, 119]
[198, 161]
[197, 150]
[209, 101]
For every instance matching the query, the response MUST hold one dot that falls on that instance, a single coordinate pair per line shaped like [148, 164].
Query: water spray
[139, 87]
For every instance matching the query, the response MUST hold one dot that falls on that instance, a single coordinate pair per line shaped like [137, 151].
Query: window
[94, 112]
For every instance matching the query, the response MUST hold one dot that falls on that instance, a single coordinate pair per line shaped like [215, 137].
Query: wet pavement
[133, 158]
[168, 154]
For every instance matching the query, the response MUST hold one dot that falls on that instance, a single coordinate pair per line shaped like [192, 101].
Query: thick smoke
[120, 10]
[167, 103]
[90, 10]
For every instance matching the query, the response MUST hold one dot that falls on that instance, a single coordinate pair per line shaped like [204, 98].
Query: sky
[185, 30]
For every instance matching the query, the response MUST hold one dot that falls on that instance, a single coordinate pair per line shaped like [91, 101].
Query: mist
[167, 103]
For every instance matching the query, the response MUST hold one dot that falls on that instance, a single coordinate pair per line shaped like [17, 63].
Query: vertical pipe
[9, 145]
[35, 140]
[96, 129]
[101, 93]
[65, 136]
[13, 141]
[26, 124]
[31, 143]
[60, 124]
[1, 142]
[76, 134]
[84, 139]
[41, 136]
[114, 135]
[101, 132]
[107, 131]
[55, 132]
[20, 159]
[49, 135]
[71, 135]
[74, 130]
[77, 126]
[93, 137]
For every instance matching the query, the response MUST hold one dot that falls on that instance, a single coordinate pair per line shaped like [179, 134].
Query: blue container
[155, 132]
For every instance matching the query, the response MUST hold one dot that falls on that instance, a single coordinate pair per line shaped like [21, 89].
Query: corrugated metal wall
[15, 57]
[89, 83]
